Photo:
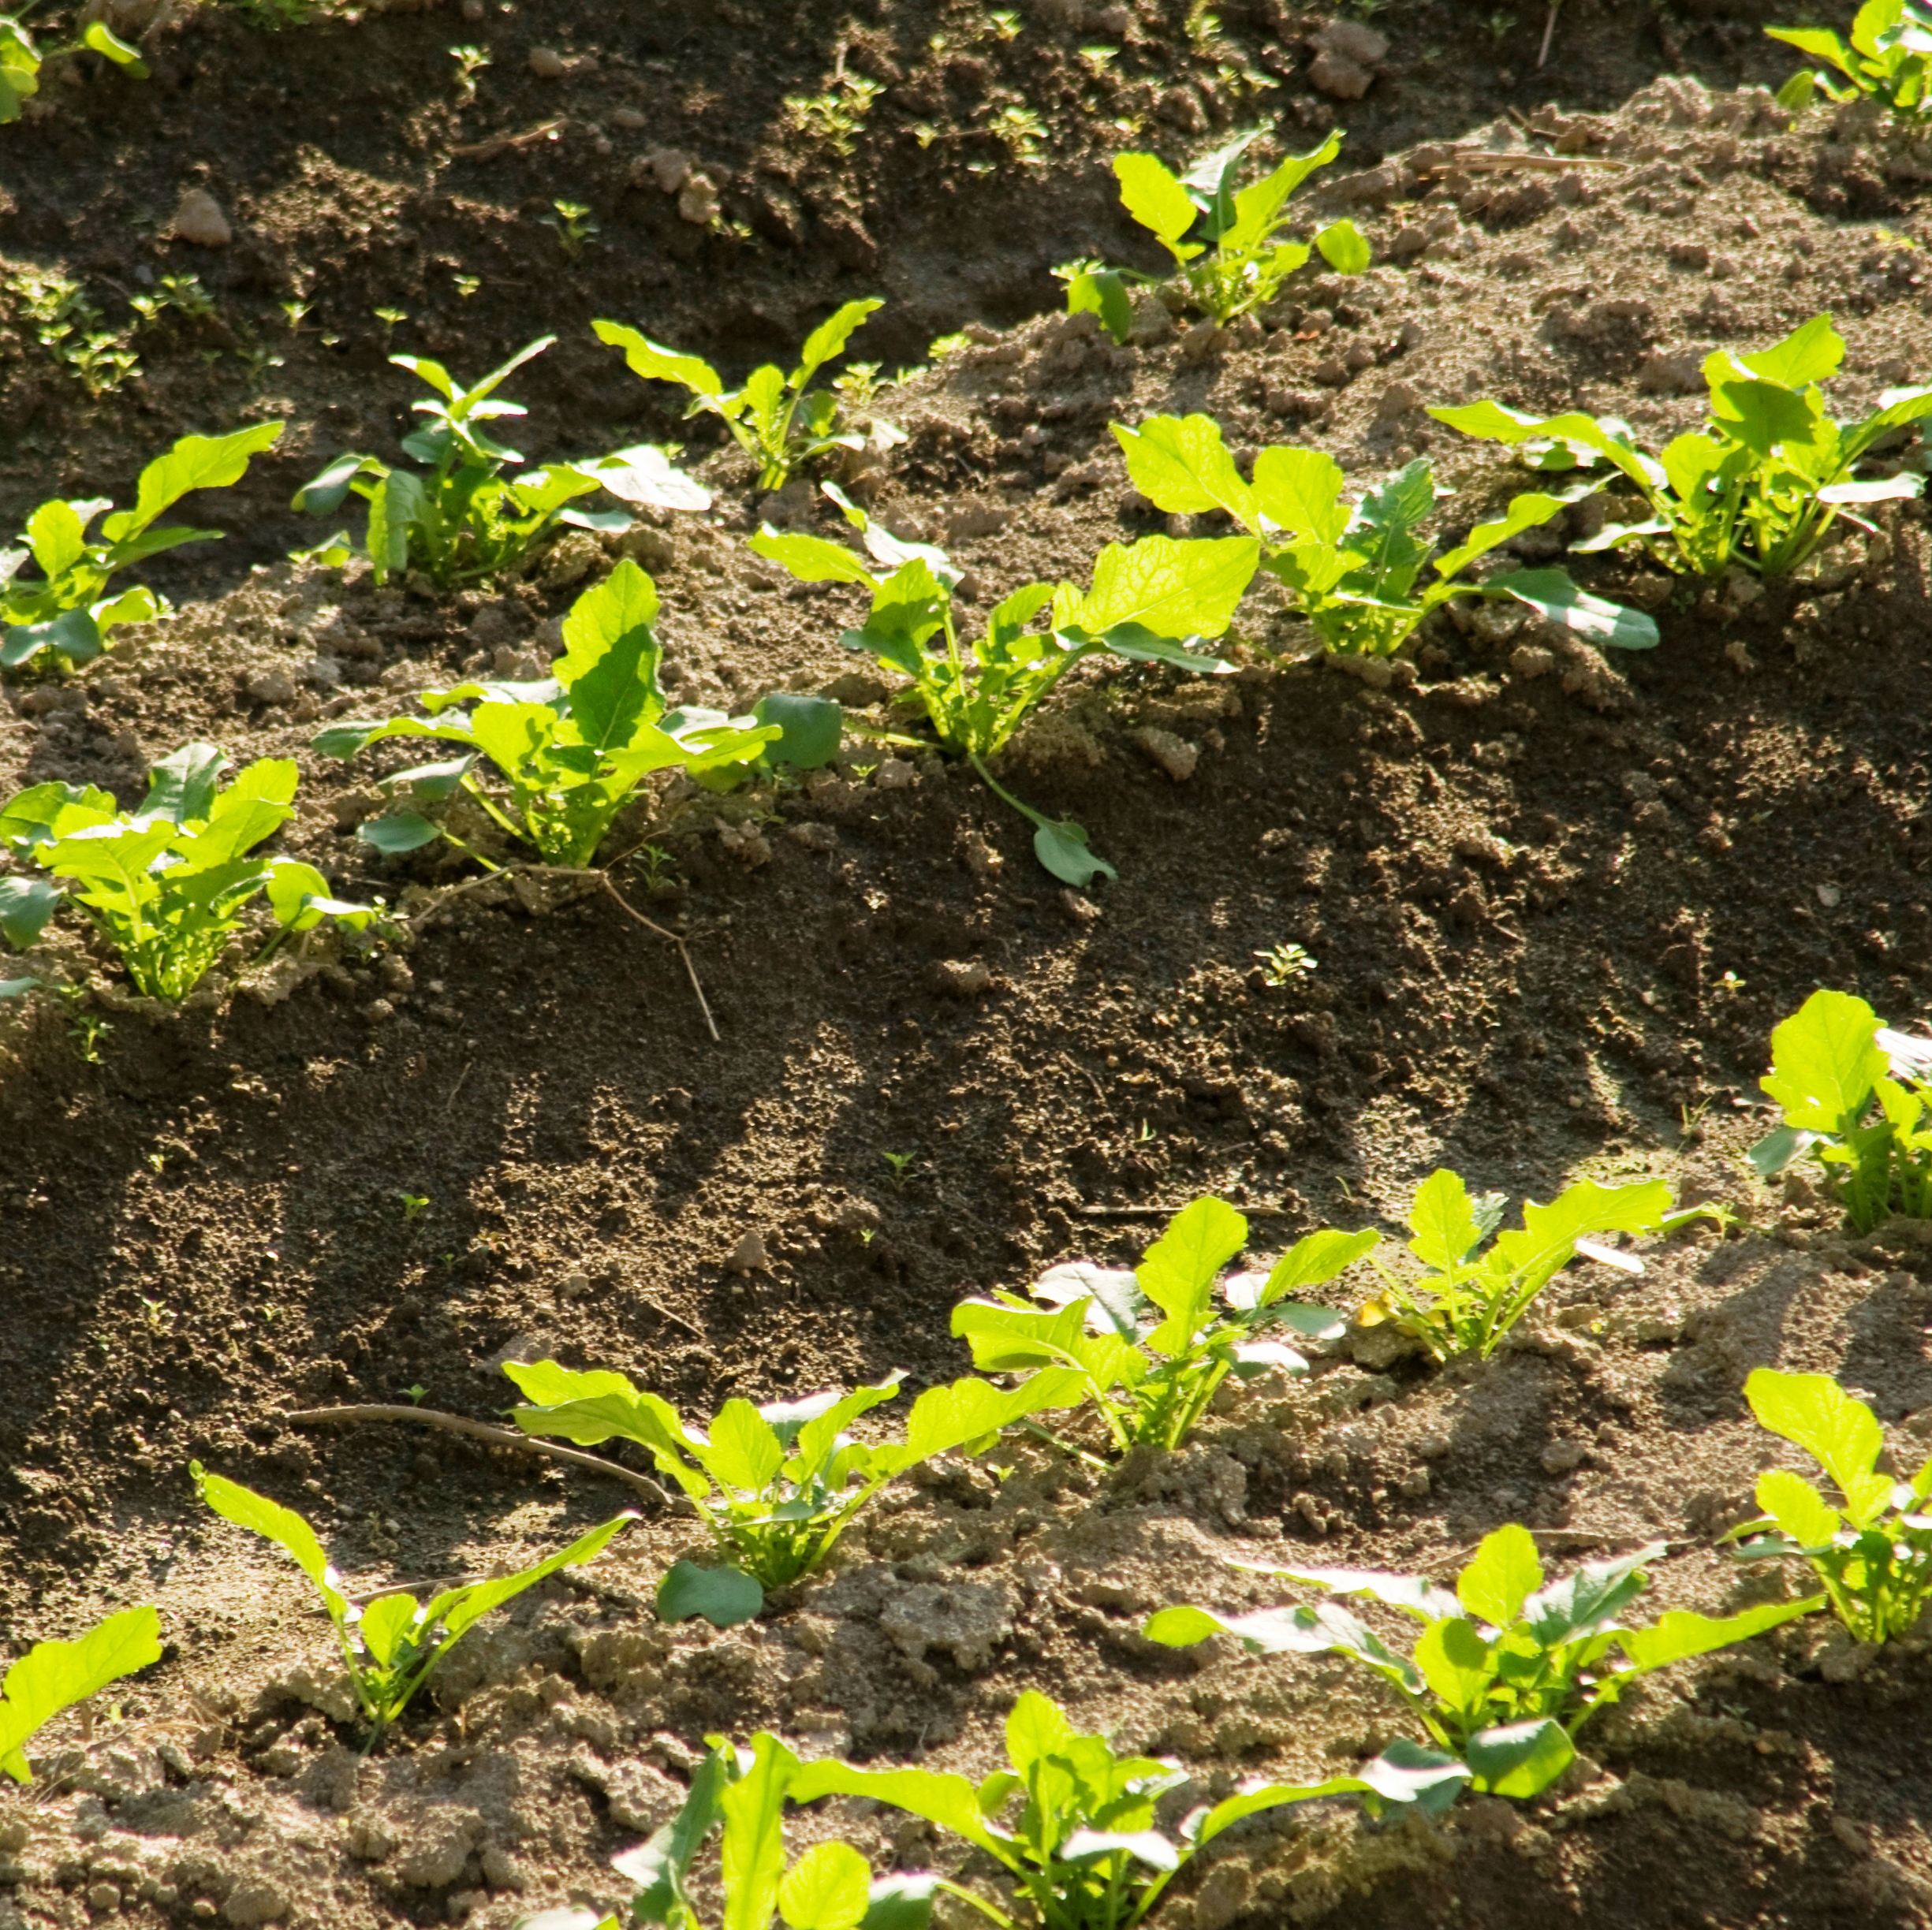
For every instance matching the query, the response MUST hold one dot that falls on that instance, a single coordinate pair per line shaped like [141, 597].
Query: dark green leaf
[406, 831]
[1062, 849]
[811, 728]
[1521, 1760]
[26, 904]
[723, 1597]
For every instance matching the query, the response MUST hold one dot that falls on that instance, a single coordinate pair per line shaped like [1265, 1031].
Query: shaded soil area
[1556, 903]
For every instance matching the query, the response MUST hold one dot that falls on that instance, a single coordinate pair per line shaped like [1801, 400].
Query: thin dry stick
[1550, 27]
[503, 144]
[497, 1437]
[1155, 1211]
[684, 951]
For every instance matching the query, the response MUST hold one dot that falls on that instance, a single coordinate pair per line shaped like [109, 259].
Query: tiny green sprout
[660, 869]
[867, 1235]
[1020, 131]
[415, 1394]
[466, 285]
[1099, 58]
[925, 133]
[390, 318]
[837, 117]
[899, 1162]
[1731, 983]
[1500, 26]
[471, 62]
[157, 1160]
[1285, 964]
[159, 1316]
[1005, 23]
[414, 1205]
[85, 1029]
[1146, 1135]
[295, 314]
[574, 226]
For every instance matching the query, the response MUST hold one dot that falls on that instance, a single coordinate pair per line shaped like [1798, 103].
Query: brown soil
[1556, 904]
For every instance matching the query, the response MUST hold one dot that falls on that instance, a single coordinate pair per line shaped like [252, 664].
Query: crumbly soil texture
[1555, 901]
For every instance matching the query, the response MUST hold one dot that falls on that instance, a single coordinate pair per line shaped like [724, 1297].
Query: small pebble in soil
[547, 63]
[749, 1255]
[200, 219]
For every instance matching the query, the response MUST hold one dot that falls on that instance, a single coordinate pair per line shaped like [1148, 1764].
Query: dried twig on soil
[496, 1436]
[1157, 1211]
[502, 144]
[683, 951]
[1480, 161]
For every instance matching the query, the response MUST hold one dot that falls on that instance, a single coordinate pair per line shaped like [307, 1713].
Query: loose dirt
[1556, 902]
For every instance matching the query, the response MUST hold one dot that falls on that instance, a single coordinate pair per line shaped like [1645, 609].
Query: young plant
[460, 518]
[572, 749]
[21, 61]
[574, 226]
[1889, 59]
[1470, 1293]
[1508, 1668]
[1145, 598]
[830, 1887]
[391, 1643]
[69, 326]
[166, 884]
[777, 1485]
[56, 1675]
[1854, 1094]
[1761, 484]
[66, 611]
[779, 420]
[1873, 1553]
[1151, 1345]
[1352, 568]
[1084, 1850]
[1228, 244]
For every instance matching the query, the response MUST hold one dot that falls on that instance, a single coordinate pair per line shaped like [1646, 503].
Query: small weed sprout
[167, 885]
[1500, 26]
[1507, 1668]
[1354, 569]
[391, 319]
[414, 1206]
[899, 1163]
[1762, 483]
[1020, 131]
[1477, 1282]
[779, 420]
[466, 285]
[295, 314]
[67, 325]
[1284, 964]
[1005, 24]
[551, 763]
[1084, 1850]
[837, 116]
[470, 61]
[574, 226]
[56, 1676]
[1151, 1346]
[1890, 59]
[1873, 1553]
[777, 1485]
[183, 295]
[462, 518]
[1855, 1095]
[390, 1644]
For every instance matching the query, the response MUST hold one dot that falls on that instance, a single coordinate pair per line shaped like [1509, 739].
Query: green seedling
[837, 116]
[1762, 484]
[21, 62]
[1506, 1668]
[830, 1887]
[56, 1675]
[1353, 568]
[66, 612]
[574, 226]
[1084, 1850]
[1474, 1288]
[1285, 964]
[1151, 1346]
[69, 326]
[295, 314]
[900, 1163]
[183, 294]
[1228, 245]
[391, 1643]
[391, 319]
[1873, 1553]
[572, 749]
[1854, 1095]
[470, 61]
[466, 285]
[1889, 59]
[1005, 23]
[460, 519]
[1021, 132]
[1146, 598]
[167, 885]
[414, 1206]
[779, 420]
[777, 1485]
